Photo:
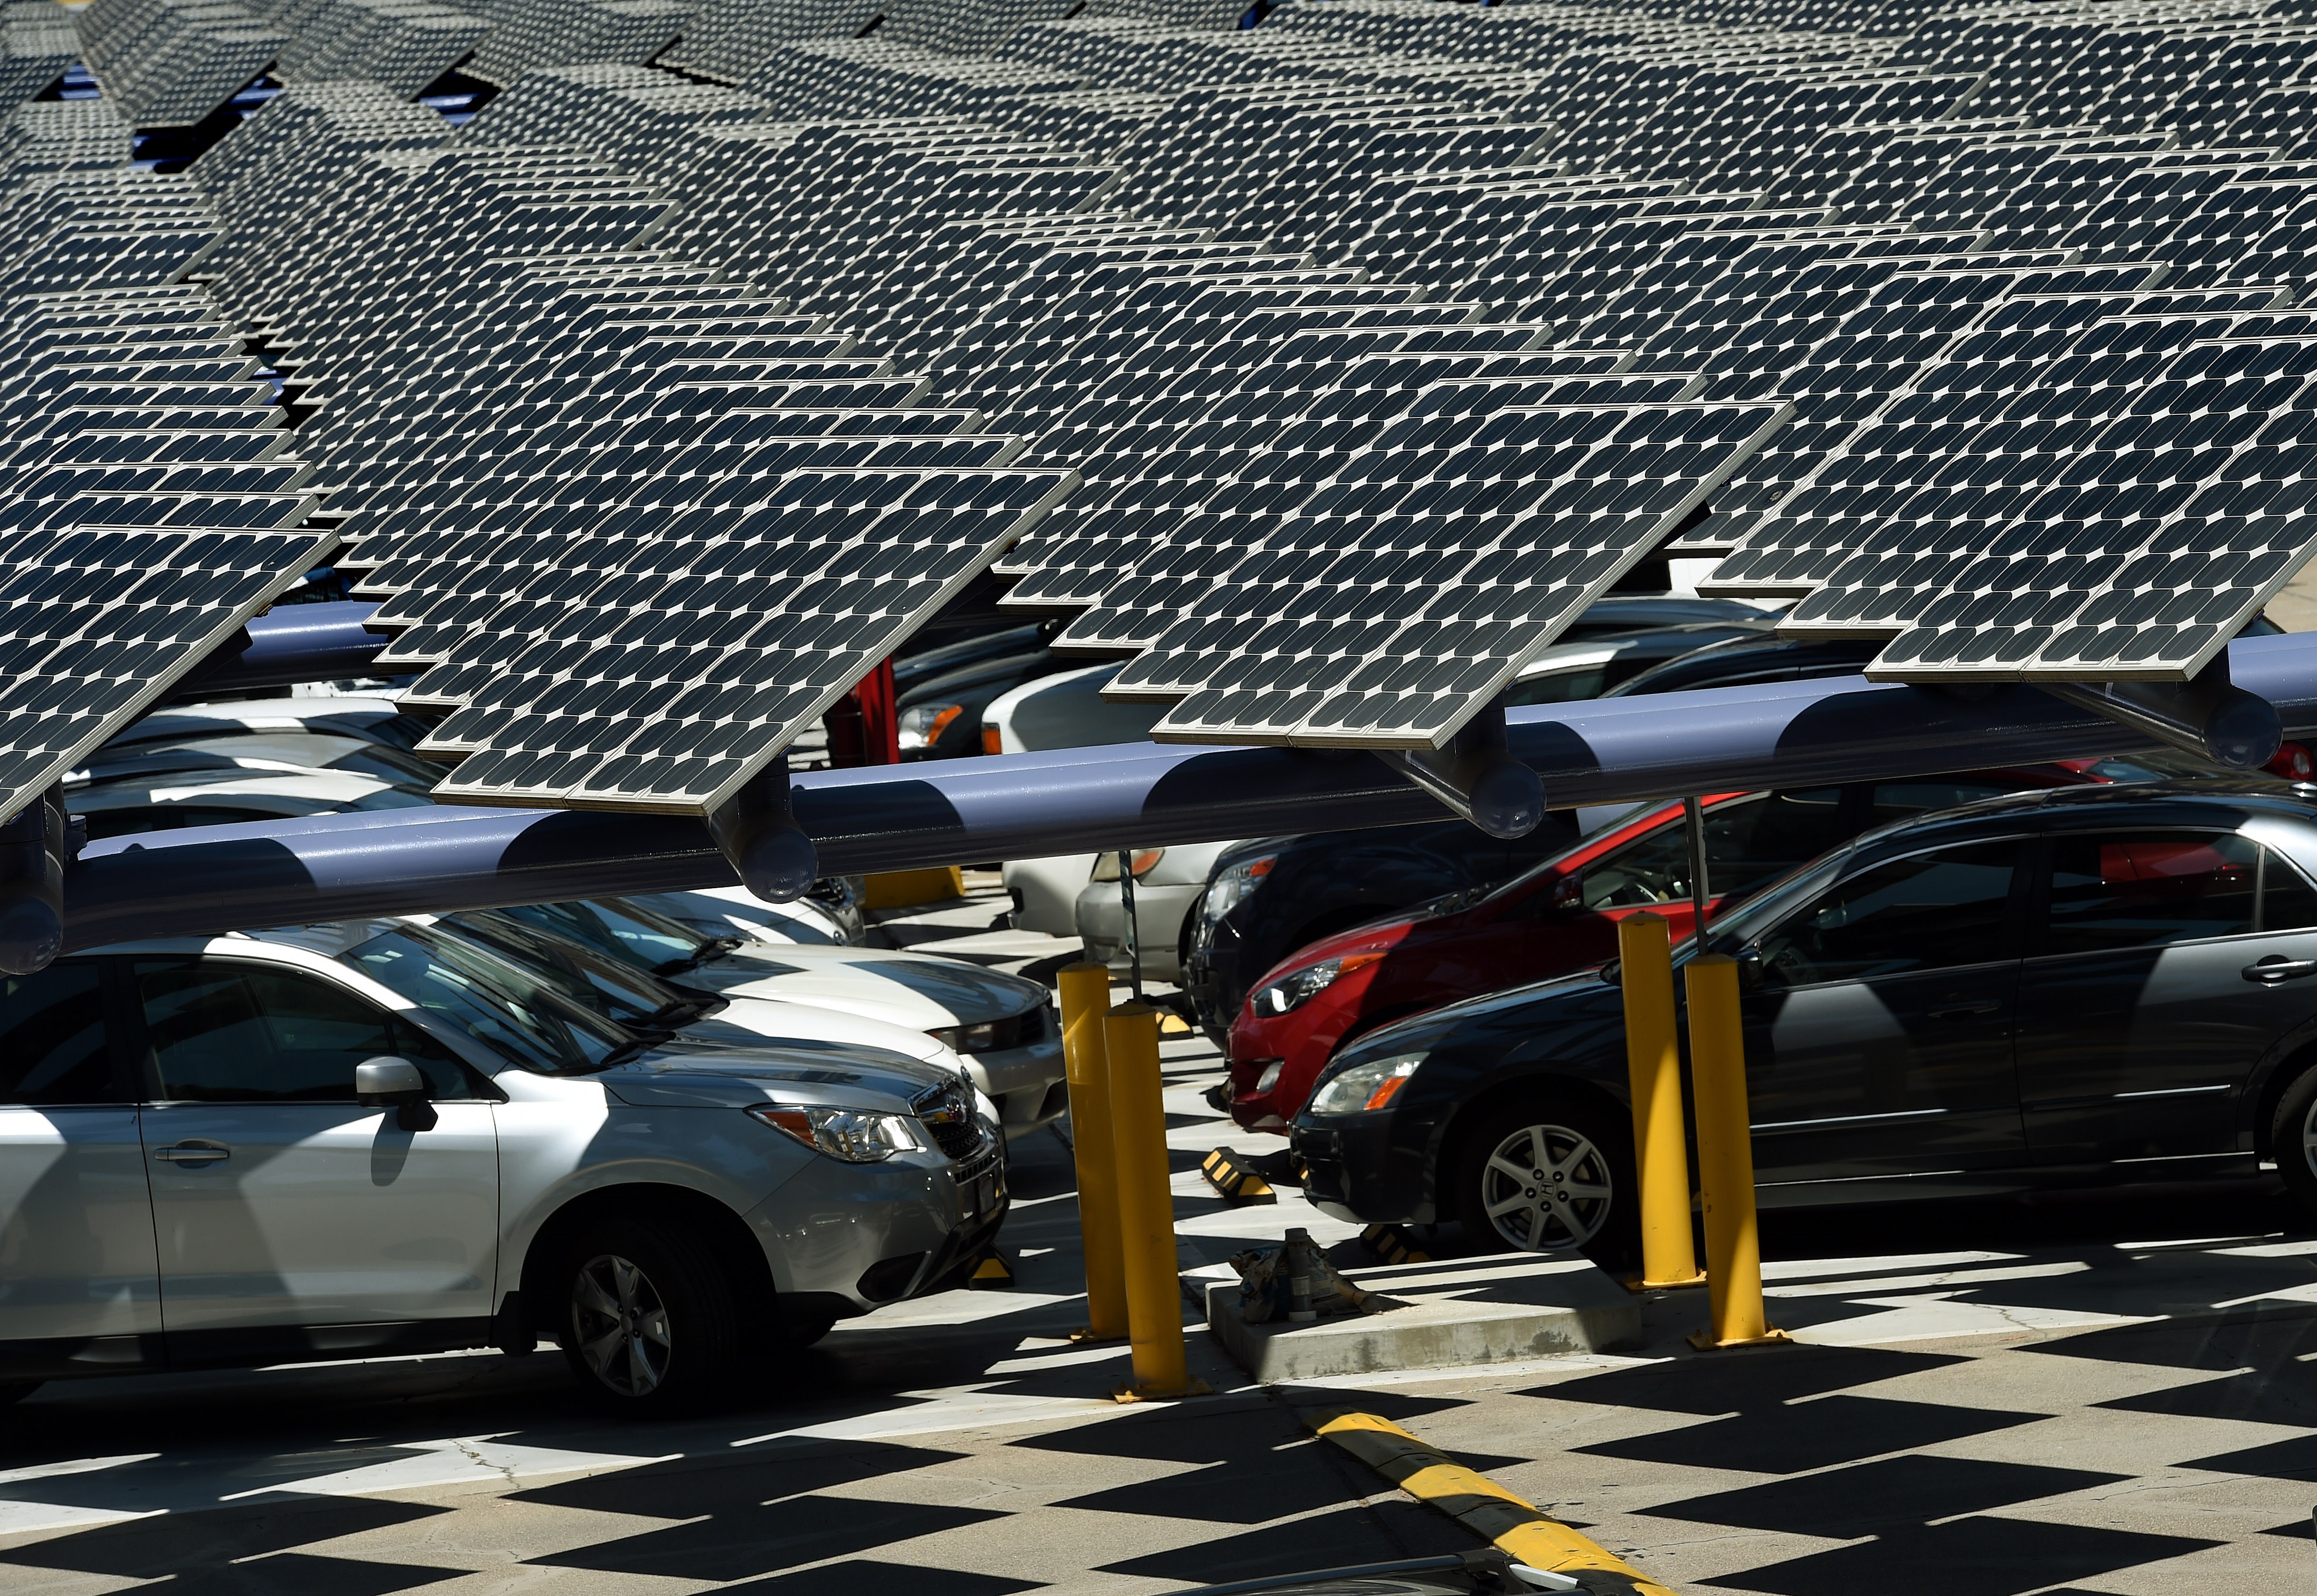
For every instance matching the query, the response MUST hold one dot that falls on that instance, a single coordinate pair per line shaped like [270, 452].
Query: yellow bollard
[1660, 1144]
[1086, 999]
[1146, 1206]
[1725, 1158]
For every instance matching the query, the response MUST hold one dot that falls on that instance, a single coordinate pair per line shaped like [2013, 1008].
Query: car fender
[554, 1151]
[2279, 1066]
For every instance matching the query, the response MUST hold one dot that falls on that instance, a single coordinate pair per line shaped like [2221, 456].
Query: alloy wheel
[620, 1325]
[2309, 1137]
[1546, 1189]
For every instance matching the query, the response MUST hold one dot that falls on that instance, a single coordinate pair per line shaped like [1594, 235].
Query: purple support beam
[295, 643]
[1085, 800]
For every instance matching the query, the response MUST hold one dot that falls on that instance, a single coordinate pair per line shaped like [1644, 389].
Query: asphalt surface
[2113, 1394]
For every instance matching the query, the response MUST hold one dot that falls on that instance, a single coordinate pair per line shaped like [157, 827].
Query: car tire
[1583, 1201]
[648, 1320]
[2292, 1140]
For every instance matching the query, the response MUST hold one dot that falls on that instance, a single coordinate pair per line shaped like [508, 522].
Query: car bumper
[1354, 1172]
[1158, 912]
[851, 1237]
[1216, 976]
[1027, 1084]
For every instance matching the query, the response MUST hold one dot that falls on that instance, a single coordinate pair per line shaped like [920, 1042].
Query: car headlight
[855, 1136]
[1232, 886]
[1365, 1088]
[922, 724]
[1297, 987]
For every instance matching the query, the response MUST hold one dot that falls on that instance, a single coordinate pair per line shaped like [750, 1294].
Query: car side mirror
[395, 1082]
[1568, 892]
[1748, 960]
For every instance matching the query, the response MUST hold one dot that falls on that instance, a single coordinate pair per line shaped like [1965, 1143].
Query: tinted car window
[1931, 910]
[52, 1048]
[2288, 901]
[2142, 889]
[500, 1005]
[227, 1032]
[1901, 800]
[1747, 842]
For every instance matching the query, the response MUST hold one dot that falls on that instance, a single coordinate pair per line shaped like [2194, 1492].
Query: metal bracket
[757, 833]
[35, 846]
[1476, 776]
[2205, 715]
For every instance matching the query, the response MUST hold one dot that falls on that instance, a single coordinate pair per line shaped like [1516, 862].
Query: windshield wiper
[713, 948]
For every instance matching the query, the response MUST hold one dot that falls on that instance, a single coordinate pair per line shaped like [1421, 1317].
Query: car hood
[695, 1069]
[910, 989]
[754, 1021]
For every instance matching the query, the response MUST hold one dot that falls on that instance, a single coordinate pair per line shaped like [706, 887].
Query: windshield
[626, 932]
[609, 987]
[500, 1005]
[1730, 931]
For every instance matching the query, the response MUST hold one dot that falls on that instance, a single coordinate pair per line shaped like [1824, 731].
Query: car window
[1902, 801]
[499, 1006]
[1748, 841]
[1929, 911]
[1560, 687]
[52, 1047]
[626, 932]
[2142, 889]
[616, 990]
[225, 1031]
[2288, 901]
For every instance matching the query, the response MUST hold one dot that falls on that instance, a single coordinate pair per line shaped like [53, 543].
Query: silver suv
[349, 1140]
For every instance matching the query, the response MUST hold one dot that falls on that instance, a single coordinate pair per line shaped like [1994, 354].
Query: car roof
[340, 717]
[2220, 801]
[299, 787]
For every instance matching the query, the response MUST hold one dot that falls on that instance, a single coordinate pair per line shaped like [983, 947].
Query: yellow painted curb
[1520, 1530]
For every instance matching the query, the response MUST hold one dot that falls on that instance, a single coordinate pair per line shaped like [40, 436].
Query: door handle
[193, 1153]
[1975, 1005]
[2276, 969]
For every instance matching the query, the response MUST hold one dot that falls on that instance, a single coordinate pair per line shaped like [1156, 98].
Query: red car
[1560, 915]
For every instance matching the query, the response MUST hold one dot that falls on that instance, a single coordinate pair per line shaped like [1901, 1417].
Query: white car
[1169, 883]
[735, 910]
[1003, 1027]
[294, 752]
[372, 719]
[161, 802]
[361, 1139]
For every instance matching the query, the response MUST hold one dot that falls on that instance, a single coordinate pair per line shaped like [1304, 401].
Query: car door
[79, 1285]
[1879, 1022]
[2139, 1025]
[281, 1202]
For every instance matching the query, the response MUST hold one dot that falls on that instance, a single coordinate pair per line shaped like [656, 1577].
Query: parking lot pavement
[2113, 1395]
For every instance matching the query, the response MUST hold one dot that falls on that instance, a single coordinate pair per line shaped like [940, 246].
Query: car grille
[947, 1114]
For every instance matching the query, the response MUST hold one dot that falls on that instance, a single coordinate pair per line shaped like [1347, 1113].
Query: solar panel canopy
[660, 367]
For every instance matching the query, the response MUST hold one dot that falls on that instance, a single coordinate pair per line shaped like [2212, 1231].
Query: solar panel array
[1323, 371]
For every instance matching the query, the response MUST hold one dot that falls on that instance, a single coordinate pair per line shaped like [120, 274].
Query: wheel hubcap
[620, 1325]
[1546, 1188]
[2309, 1137]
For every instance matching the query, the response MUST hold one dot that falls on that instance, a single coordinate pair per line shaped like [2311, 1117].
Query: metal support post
[1146, 1207]
[1653, 1066]
[1085, 988]
[1700, 892]
[1133, 931]
[1725, 1158]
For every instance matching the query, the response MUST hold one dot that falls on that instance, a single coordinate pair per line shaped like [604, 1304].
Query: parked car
[1169, 883]
[294, 752]
[1065, 710]
[1002, 1026]
[163, 802]
[372, 719]
[632, 997]
[1559, 915]
[2087, 984]
[940, 694]
[359, 1139]
[828, 915]
[1265, 898]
